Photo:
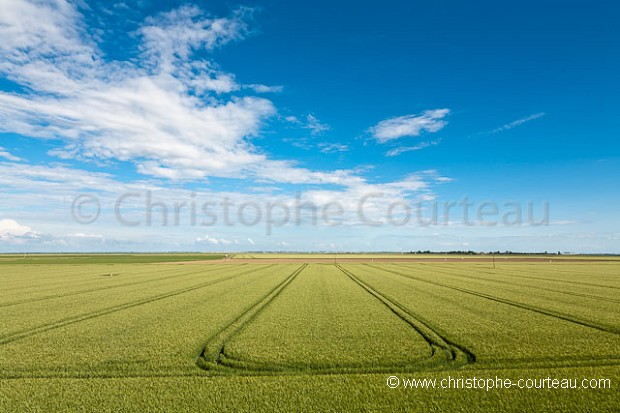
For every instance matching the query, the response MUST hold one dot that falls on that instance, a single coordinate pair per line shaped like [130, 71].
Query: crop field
[132, 334]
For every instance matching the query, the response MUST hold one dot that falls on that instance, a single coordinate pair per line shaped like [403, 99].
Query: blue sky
[375, 114]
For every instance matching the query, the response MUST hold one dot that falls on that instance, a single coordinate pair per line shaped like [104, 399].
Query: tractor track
[517, 304]
[519, 274]
[444, 352]
[455, 352]
[85, 279]
[59, 274]
[113, 309]
[109, 287]
[227, 365]
[184, 371]
[212, 354]
[588, 296]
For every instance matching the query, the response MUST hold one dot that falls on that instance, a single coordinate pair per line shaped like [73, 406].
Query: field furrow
[504, 279]
[325, 322]
[501, 294]
[158, 338]
[151, 277]
[495, 332]
[213, 352]
[454, 352]
[581, 279]
[40, 328]
[87, 277]
[267, 322]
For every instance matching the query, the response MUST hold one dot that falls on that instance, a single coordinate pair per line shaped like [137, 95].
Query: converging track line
[455, 352]
[213, 354]
[504, 282]
[109, 310]
[108, 287]
[539, 310]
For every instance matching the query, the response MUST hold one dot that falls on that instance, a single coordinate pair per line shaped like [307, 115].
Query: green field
[41, 259]
[132, 334]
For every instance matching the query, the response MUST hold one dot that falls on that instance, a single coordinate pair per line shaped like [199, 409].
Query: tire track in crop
[19, 282]
[58, 272]
[212, 354]
[109, 310]
[535, 309]
[109, 287]
[455, 353]
[177, 371]
[519, 274]
[471, 277]
[84, 278]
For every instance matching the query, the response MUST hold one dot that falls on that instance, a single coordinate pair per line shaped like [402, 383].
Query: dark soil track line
[85, 271]
[86, 278]
[471, 277]
[212, 354]
[436, 340]
[23, 283]
[574, 270]
[183, 371]
[539, 310]
[109, 287]
[519, 274]
[83, 317]
[214, 357]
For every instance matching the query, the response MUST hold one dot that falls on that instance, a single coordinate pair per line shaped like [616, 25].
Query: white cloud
[11, 229]
[403, 149]
[566, 222]
[168, 113]
[19, 238]
[81, 235]
[8, 156]
[332, 147]
[49, 192]
[251, 241]
[409, 125]
[516, 123]
[216, 241]
[309, 122]
[171, 38]
[316, 126]
[57, 180]
[374, 198]
[162, 111]
[35, 29]
[264, 88]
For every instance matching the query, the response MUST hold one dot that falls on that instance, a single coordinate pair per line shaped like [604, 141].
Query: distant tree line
[468, 252]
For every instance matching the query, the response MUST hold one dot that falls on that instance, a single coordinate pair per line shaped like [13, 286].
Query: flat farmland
[261, 335]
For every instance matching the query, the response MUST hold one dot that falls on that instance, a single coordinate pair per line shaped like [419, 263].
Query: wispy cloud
[333, 147]
[515, 123]
[8, 156]
[429, 121]
[216, 241]
[169, 110]
[264, 88]
[403, 149]
[162, 110]
[43, 197]
[310, 144]
[309, 122]
[316, 127]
